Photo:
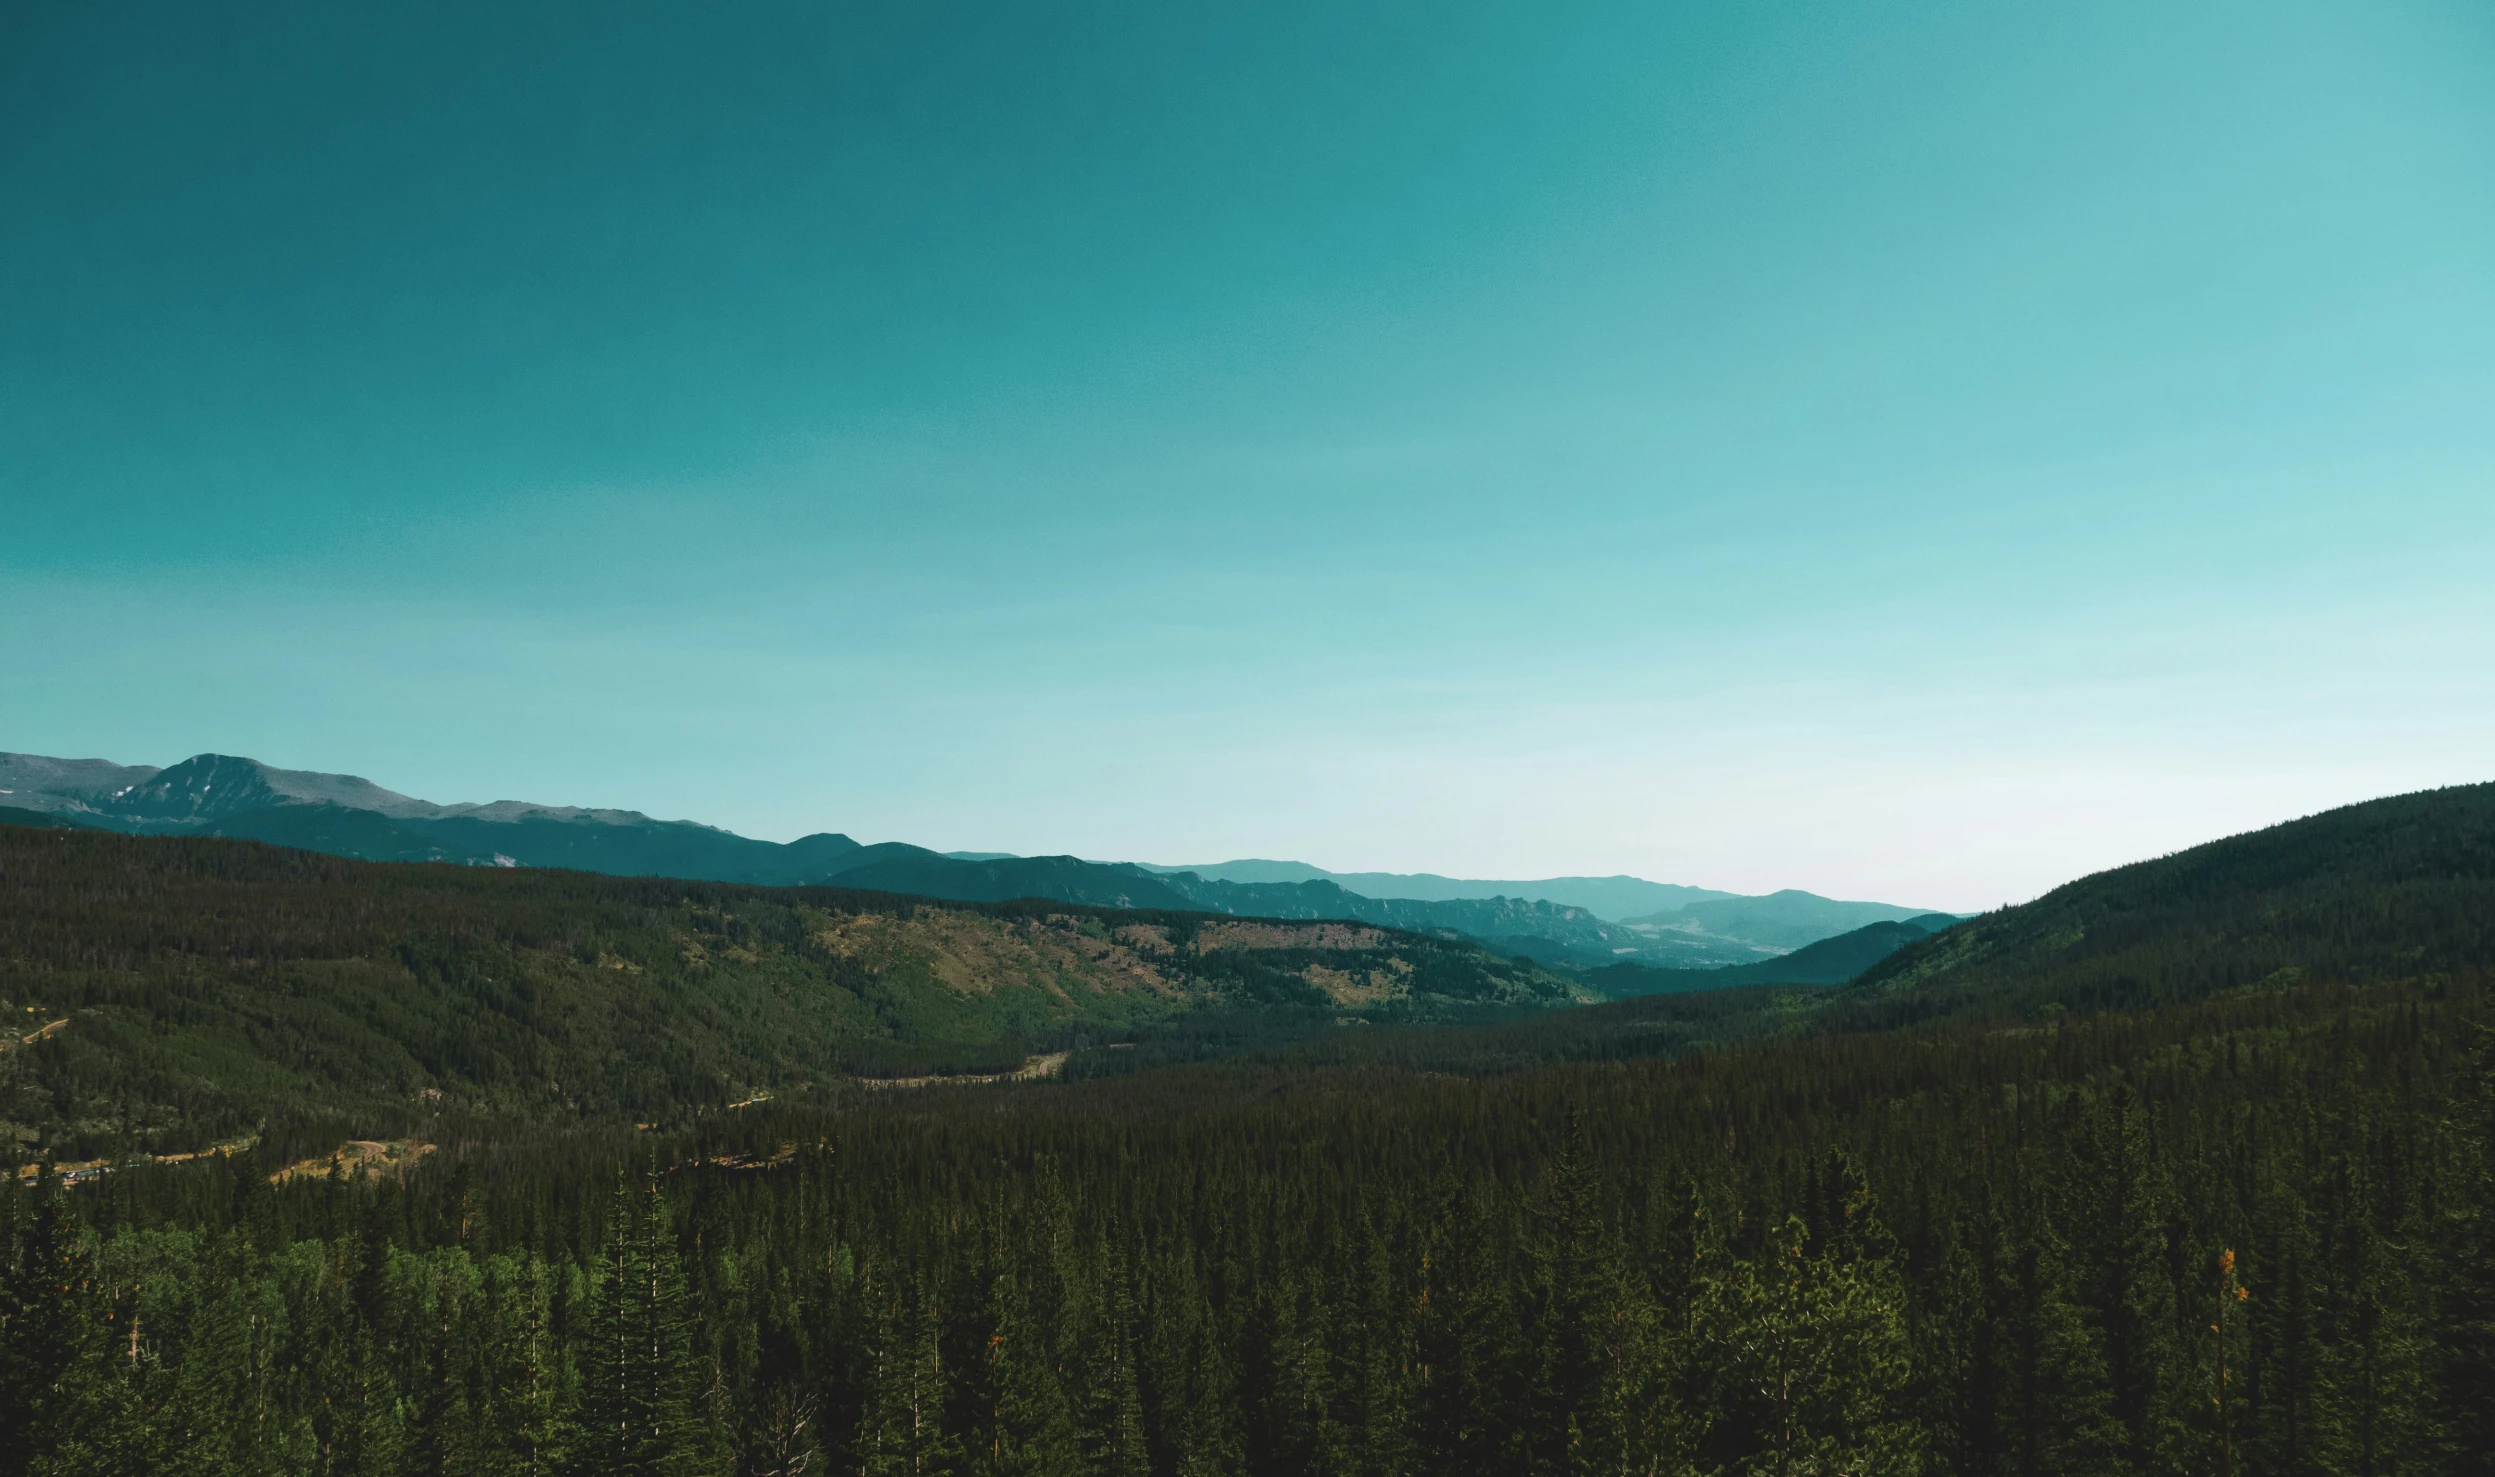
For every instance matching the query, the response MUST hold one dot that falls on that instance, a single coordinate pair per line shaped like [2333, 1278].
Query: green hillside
[2401, 888]
[208, 983]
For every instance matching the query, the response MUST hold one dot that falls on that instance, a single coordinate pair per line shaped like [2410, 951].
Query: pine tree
[1110, 1413]
[1669, 1389]
[63, 1405]
[642, 1383]
[2464, 1310]
[903, 1431]
[1573, 1288]
[2054, 1416]
[361, 1428]
[450, 1434]
[218, 1414]
[2117, 1204]
[1032, 1429]
[528, 1415]
[1381, 1415]
[1192, 1394]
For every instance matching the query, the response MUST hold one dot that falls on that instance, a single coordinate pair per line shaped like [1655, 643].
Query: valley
[888, 1180]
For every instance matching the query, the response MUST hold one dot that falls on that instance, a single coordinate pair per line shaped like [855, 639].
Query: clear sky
[1921, 452]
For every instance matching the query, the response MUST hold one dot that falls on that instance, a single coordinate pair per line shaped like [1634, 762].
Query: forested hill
[2400, 888]
[202, 984]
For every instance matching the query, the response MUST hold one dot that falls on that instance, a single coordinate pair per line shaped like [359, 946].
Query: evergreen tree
[1572, 1308]
[903, 1431]
[1032, 1430]
[1191, 1392]
[642, 1387]
[529, 1399]
[2118, 1201]
[1102, 1320]
[2464, 1314]
[62, 1399]
[1380, 1408]
[2053, 1411]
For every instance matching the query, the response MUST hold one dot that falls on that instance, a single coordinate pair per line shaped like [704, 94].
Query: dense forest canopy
[2079, 1197]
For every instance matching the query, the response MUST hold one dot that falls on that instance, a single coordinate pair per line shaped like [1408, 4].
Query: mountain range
[1576, 923]
[195, 984]
[1611, 899]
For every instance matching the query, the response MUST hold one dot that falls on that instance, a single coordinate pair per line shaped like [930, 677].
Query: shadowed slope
[2396, 888]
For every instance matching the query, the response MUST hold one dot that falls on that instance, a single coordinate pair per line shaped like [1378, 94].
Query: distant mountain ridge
[1611, 899]
[209, 787]
[1695, 927]
[1778, 920]
[1829, 961]
[347, 815]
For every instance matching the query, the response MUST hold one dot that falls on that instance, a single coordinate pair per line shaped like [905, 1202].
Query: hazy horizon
[1925, 456]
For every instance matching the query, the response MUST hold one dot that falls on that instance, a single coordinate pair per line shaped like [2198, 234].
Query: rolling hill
[2399, 888]
[207, 982]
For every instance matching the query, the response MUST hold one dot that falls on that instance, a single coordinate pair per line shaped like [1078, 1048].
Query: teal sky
[1919, 452]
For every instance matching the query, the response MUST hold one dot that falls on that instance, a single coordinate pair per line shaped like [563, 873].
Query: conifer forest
[2183, 1169]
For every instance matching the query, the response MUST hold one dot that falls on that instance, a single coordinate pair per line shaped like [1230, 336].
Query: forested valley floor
[2255, 1234]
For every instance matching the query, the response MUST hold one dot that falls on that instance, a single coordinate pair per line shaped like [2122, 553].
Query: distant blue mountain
[1572, 922]
[1778, 921]
[1658, 924]
[1608, 898]
[1827, 961]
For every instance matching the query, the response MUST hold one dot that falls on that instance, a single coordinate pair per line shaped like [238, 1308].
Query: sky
[1919, 452]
